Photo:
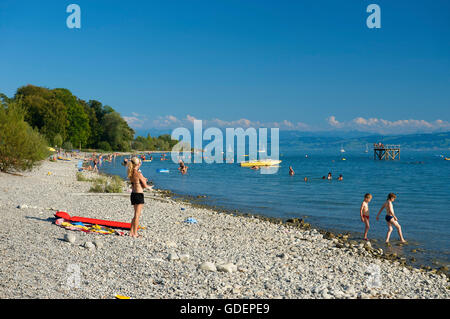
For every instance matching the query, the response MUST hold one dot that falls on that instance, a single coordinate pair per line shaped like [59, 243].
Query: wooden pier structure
[386, 152]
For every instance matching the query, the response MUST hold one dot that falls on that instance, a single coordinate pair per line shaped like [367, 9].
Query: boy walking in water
[391, 219]
[364, 213]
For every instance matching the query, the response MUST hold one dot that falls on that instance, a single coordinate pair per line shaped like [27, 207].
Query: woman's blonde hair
[131, 165]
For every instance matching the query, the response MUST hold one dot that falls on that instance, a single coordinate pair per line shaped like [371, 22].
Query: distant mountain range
[349, 140]
[359, 140]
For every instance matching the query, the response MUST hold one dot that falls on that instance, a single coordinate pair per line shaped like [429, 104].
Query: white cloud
[135, 121]
[379, 125]
[333, 122]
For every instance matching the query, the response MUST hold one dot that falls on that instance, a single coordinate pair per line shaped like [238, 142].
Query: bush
[67, 145]
[81, 177]
[21, 147]
[112, 184]
[104, 146]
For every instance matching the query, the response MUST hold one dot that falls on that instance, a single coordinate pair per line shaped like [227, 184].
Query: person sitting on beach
[391, 219]
[340, 178]
[329, 176]
[291, 171]
[138, 184]
[364, 213]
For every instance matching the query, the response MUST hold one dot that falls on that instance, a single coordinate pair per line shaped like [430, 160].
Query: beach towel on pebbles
[87, 228]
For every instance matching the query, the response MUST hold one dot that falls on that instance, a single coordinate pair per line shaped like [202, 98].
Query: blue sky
[309, 65]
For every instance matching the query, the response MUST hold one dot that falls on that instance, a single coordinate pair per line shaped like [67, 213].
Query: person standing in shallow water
[138, 183]
[391, 219]
[364, 213]
[291, 171]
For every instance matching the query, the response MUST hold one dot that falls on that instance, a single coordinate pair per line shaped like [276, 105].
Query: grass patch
[82, 178]
[113, 184]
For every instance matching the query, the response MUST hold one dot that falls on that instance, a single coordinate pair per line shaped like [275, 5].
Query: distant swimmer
[254, 167]
[305, 179]
[329, 176]
[291, 171]
[340, 178]
[323, 177]
[391, 219]
[364, 213]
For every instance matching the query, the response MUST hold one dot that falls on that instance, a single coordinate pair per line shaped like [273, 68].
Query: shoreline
[343, 237]
[252, 258]
[346, 239]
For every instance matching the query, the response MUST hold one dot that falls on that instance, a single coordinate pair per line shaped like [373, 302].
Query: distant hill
[308, 140]
[350, 140]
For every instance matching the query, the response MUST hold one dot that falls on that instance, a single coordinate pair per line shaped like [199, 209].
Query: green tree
[21, 146]
[57, 140]
[117, 132]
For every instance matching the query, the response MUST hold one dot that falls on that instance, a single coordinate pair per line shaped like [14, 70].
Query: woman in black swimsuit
[138, 183]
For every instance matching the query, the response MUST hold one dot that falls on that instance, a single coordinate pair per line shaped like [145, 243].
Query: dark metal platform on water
[386, 152]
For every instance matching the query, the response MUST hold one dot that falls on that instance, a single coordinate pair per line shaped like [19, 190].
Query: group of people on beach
[390, 217]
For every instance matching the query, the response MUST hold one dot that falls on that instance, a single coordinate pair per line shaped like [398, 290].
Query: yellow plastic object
[260, 163]
[122, 297]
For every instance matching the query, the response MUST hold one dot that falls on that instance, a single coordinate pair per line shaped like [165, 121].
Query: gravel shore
[220, 256]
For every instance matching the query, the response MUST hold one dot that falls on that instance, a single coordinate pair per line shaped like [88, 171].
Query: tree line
[56, 117]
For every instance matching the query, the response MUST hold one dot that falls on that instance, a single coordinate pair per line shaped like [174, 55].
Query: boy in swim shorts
[391, 219]
[364, 213]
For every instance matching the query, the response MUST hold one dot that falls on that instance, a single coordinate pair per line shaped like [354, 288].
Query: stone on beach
[89, 245]
[173, 256]
[70, 238]
[98, 243]
[208, 266]
[229, 267]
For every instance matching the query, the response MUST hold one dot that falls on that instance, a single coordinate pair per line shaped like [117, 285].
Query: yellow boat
[267, 162]
[447, 158]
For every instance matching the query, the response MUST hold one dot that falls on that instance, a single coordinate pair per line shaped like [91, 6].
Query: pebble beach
[219, 256]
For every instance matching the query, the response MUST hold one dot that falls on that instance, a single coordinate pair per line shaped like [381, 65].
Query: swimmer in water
[329, 176]
[391, 219]
[340, 178]
[291, 171]
[364, 213]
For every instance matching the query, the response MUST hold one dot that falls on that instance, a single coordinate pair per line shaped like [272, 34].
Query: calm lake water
[420, 180]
